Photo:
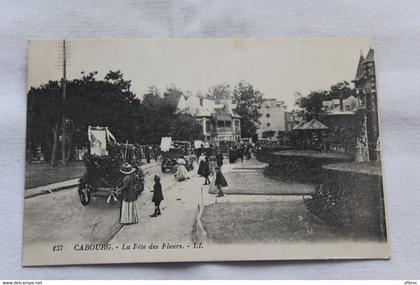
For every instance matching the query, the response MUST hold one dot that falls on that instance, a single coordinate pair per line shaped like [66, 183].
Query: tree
[159, 118]
[186, 127]
[220, 92]
[91, 102]
[248, 100]
[108, 102]
[155, 118]
[45, 109]
[311, 105]
[172, 95]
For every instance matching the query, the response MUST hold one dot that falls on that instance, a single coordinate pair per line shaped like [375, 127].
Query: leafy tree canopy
[220, 92]
[310, 106]
[248, 100]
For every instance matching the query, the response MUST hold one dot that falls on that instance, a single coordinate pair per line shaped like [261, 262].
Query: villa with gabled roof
[219, 118]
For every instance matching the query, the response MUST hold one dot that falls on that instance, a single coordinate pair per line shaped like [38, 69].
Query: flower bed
[351, 197]
[301, 166]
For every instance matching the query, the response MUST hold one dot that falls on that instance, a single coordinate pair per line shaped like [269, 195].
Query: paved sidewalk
[184, 201]
[45, 189]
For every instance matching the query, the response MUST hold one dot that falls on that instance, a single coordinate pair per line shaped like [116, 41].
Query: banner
[97, 138]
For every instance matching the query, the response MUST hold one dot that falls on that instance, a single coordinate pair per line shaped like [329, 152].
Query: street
[60, 217]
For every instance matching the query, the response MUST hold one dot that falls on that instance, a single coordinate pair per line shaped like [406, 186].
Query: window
[268, 124]
[208, 126]
[268, 115]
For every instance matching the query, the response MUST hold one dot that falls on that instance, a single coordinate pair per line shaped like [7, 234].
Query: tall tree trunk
[54, 148]
[70, 143]
[29, 150]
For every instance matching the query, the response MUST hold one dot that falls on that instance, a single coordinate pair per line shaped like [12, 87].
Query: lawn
[254, 182]
[43, 174]
[286, 221]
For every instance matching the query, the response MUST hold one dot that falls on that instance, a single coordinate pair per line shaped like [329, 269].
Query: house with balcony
[219, 119]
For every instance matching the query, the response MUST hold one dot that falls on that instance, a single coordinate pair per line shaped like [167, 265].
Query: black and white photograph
[180, 150]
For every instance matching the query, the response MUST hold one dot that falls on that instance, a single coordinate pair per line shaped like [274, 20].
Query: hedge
[301, 166]
[350, 197]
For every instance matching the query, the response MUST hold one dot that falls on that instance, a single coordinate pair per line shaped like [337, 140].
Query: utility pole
[63, 148]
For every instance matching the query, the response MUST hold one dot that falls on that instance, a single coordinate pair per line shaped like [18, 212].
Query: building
[340, 117]
[340, 106]
[365, 85]
[219, 119]
[274, 118]
[353, 121]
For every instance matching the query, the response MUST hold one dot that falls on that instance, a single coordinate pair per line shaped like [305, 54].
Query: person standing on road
[241, 153]
[220, 182]
[219, 158]
[128, 212]
[147, 153]
[204, 169]
[157, 196]
[212, 164]
[155, 153]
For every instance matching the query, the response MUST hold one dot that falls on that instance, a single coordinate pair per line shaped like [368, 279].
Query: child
[157, 196]
[220, 181]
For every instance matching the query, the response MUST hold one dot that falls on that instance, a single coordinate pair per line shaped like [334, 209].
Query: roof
[313, 124]
[370, 55]
[203, 112]
[300, 125]
[208, 107]
[359, 71]
[173, 98]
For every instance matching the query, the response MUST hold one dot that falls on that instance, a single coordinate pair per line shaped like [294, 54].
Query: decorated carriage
[103, 163]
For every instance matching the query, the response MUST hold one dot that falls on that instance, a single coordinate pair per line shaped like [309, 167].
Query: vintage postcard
[169, 150]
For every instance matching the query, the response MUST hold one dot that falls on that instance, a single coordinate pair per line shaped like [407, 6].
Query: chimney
[341, 104]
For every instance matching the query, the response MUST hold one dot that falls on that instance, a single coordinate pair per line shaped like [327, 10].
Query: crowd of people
[137, 153]
[210, 165]
[210, 162]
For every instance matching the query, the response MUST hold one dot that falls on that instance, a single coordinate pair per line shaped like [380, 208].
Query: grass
[286, 221]
[44, 174]
[255, 183]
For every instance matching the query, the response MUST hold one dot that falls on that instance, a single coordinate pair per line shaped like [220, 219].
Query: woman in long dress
[204, 170]
[212, 164]
[128, 212]
[181, 172]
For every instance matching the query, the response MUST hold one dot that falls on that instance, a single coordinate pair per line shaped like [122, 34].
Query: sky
[277, 67]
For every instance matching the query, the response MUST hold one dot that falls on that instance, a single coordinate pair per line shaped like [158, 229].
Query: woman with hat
[157, 196]
[128, 213]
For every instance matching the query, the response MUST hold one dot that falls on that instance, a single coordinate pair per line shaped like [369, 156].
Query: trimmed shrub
[350, 197]
[301, 166]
